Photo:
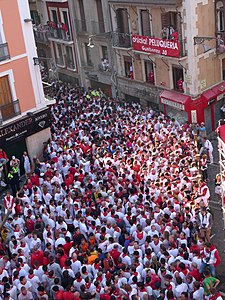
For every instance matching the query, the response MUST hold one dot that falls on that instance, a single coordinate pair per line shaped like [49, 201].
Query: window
[105, 52]
[35, 17]
[149, 72]
[65, 20]
[220, 16]
[169, 25]
[122, 20]
[88, 54]
[6, 101]
[82, 15]
[145, 23]
[54, 16]
[178, 78]
[100, 16]
[128, 67]
[223, 68]
[69, 58]
[59, 55]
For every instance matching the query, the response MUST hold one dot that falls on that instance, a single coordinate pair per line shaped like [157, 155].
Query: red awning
[219, 88]
[208, 95]
[174, 99]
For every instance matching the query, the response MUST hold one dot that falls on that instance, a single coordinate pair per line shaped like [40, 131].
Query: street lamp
[90, 44]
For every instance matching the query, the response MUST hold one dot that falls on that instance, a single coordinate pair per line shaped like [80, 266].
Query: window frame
[57, 54]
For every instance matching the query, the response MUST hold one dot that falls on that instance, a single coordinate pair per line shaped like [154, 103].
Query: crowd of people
[117, 208]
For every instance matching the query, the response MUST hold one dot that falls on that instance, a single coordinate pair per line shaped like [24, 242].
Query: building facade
[55, 40]
[168, 57]
[154, 51]
[24, 115]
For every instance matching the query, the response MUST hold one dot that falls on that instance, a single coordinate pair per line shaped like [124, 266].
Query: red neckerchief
[140, 235]
[88, 284]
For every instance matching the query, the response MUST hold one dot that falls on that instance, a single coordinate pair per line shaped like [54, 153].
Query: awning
[209, 95]
[176, 100]
[219, 90]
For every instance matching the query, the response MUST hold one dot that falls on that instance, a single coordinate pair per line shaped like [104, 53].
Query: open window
[128, 67]
[149, 72]
[178, 78]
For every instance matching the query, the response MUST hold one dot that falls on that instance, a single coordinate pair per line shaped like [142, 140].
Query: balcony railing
[121, 40]
[4, 52]
[41, 33]
[60, 34]
[9, 110]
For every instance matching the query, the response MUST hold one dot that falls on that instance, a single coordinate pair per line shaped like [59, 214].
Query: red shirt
[68, 296]
[37, 255]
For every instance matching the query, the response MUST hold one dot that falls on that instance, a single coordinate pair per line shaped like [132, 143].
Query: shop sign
[220, 97]
[172, 104]
[156, 46]
[25, 126]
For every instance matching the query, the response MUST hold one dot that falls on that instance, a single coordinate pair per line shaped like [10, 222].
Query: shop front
[176, 105]
[208, 106]
[26, 134]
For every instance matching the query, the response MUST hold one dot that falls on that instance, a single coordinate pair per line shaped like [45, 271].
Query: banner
[156, 46]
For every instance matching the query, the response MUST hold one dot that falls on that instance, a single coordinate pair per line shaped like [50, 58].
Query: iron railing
[60, 34]
[4, 52]
[121, 40]
[9, 110]
[42, 34]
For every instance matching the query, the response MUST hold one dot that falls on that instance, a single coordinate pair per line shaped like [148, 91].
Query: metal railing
[4, 52]
[60, 34]
[9, 110]
[41, 33]
[121, 40]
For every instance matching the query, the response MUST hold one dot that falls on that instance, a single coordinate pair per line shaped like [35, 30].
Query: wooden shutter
[145, 23]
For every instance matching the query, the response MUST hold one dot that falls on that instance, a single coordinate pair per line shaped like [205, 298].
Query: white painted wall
[31, 52]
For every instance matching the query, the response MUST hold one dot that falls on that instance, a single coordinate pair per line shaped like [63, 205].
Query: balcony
[9, 111]
[152, 2]
[121, 40]
[60, 34]
[41, 34]
[4, 52]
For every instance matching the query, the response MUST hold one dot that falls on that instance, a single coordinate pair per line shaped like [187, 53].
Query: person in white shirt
[198, 291]
[207, 145]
